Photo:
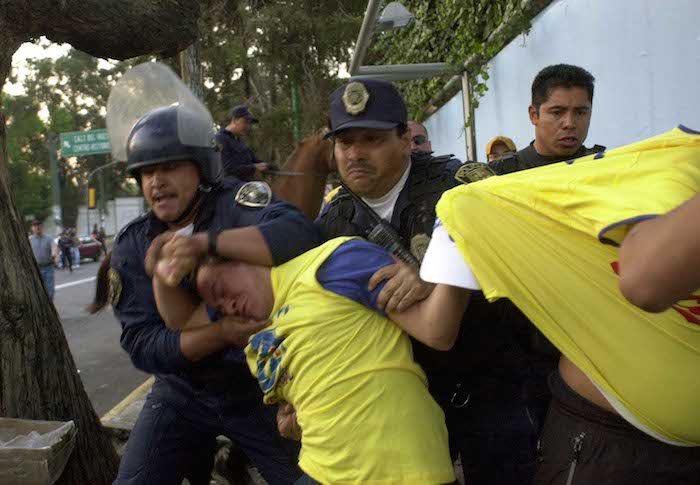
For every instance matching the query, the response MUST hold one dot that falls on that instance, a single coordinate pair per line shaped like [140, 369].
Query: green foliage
[448, 31]
[254, 53]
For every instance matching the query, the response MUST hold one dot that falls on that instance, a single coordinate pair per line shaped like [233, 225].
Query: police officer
[562, 103]
[238, 159]
[420, 143]
[170, 152]
[485, 383]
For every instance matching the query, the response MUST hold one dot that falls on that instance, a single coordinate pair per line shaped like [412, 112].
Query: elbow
[442, 343]
[643, 294]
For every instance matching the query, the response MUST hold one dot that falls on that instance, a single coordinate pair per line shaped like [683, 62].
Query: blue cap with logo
[367, 103]
[241, 111]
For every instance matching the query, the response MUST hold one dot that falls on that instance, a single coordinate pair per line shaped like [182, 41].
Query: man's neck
[541, 151]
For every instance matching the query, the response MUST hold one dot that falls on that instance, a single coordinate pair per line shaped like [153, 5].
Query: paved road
[106, 371]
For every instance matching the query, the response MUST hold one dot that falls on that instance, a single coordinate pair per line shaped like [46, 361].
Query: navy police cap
[241, 111]
[367, 103]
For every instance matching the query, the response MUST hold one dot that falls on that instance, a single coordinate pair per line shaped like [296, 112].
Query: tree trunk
[38, 377]
[117, 29]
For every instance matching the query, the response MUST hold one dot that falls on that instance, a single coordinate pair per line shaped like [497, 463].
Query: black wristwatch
[211, 246]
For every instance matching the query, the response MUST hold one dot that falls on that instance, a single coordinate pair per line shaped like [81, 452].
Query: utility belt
[45, 265]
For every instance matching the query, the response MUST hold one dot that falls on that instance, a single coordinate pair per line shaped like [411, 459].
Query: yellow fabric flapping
[361, 401]
[536, 237]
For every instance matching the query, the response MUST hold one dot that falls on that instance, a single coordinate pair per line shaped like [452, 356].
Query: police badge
[115, 287]
[355, 98]
[254, 194]
[419, 245]
[473, 172]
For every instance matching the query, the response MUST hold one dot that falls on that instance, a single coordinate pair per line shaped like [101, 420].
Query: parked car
[89, 248]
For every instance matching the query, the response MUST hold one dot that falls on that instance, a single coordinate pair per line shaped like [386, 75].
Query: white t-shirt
[384, 206]
[444, 264]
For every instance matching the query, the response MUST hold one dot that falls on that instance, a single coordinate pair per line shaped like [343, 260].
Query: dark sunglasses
[420, 139]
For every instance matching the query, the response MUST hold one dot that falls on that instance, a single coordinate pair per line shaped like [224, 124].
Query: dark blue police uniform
[237, 158]
[191, 403]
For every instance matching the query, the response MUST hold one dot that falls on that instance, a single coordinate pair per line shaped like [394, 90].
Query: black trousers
[584, 444]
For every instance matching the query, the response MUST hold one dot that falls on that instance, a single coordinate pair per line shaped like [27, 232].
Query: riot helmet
[153, 118]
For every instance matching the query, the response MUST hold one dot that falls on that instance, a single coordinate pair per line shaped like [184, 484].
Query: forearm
[659, 262]
[435, 321]
[175, 304]
[199, 342]
[245, 244]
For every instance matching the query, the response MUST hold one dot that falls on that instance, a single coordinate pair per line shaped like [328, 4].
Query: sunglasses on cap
[419, 139]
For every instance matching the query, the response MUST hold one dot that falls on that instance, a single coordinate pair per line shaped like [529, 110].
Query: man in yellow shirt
[626, 395]
[361, 401]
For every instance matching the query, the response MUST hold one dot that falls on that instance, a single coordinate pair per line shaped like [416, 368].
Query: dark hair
[560, 76]
[101, 286]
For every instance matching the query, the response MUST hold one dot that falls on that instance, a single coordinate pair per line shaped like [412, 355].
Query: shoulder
[595, 149]
[130, 237]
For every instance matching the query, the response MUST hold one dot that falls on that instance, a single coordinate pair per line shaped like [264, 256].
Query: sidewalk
[120, 420]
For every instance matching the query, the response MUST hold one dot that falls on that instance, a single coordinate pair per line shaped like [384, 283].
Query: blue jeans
[47, 276]
[175, 437]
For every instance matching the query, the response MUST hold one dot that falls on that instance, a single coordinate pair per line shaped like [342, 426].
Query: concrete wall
[645, 55]
[446, 129]
[119, 212]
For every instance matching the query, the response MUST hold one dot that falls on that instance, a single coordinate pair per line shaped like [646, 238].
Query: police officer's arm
[403, 288]
[659, 262]
[435, 321]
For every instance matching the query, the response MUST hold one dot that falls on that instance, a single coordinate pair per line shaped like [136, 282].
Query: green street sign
[78, 143]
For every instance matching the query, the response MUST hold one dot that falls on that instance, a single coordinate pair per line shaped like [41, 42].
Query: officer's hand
[237, 331]
[403, 289]
[179, 257]
[154, 250]
[287, 423]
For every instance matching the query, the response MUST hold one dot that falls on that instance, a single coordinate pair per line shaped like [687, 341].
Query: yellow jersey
[546, 239]
[361, 401]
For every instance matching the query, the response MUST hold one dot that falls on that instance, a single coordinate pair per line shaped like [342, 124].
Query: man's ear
[534, 114]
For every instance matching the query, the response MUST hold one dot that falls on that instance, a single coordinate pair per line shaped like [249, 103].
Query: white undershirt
[384, 205]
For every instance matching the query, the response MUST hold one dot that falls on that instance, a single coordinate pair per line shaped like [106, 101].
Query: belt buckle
[460, 403]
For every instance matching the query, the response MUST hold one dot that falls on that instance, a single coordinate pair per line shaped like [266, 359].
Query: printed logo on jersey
[270, 351]
[689, 308]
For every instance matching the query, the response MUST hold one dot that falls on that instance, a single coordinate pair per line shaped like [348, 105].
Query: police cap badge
[355, 98]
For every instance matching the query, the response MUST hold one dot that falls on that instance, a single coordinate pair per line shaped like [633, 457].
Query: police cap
[241, 111]
[367, 103]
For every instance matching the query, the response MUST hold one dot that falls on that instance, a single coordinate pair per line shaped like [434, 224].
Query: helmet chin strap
[192, 206]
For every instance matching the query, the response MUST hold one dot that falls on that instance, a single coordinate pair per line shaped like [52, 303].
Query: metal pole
[366, 31]
[87, 204]
[55, 183]
[469, 118]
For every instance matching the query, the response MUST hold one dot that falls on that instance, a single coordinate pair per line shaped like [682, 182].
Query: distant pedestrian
[65, 244]
[43, 249]
[237, 158]
[75, 250]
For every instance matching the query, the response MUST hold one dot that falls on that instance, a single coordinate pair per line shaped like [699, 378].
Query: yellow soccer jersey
[545, 238]
[362, 402]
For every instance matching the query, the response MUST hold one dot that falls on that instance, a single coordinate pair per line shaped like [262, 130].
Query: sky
[30, 50]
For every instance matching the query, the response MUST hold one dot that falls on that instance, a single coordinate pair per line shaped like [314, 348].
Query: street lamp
[395, 16]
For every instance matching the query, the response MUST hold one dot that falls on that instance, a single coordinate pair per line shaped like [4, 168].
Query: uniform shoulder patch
[419, 245]
[254, 194]
[473, 172]
[115, 287]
